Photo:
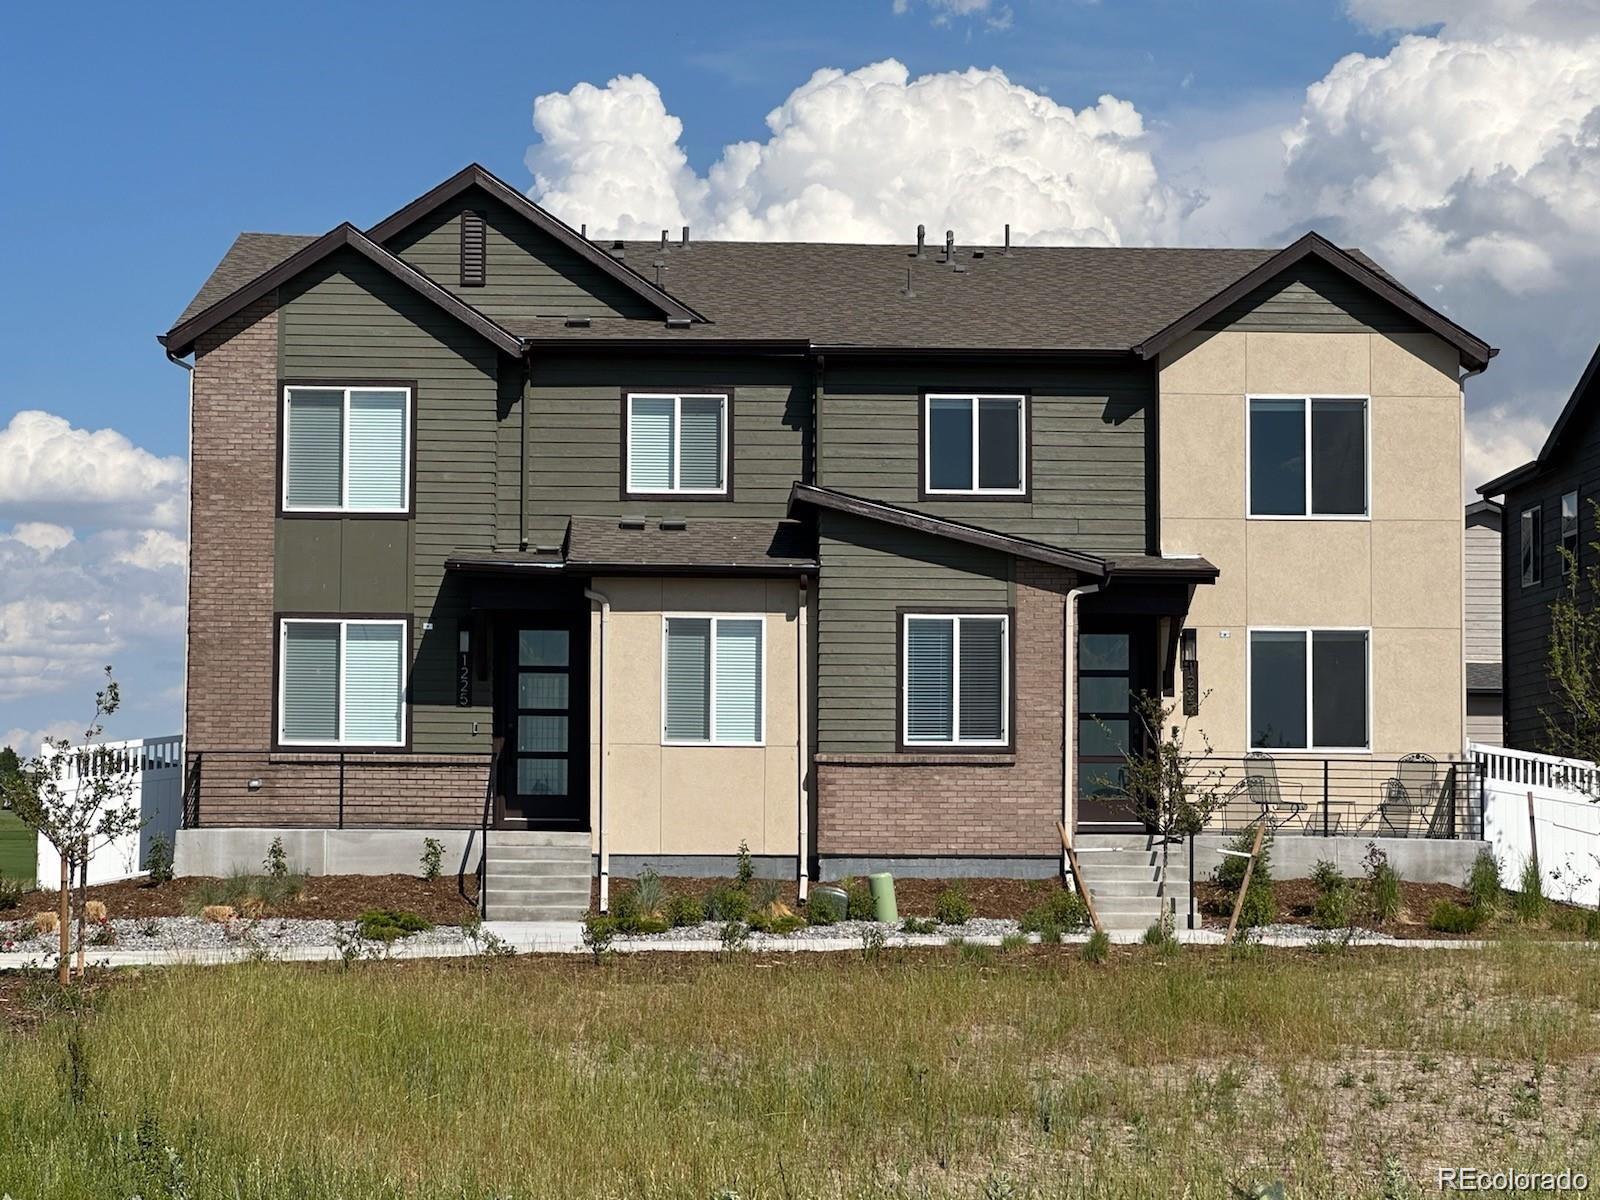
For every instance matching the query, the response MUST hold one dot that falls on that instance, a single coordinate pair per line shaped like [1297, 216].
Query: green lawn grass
[17, 848]
[1030, 1074]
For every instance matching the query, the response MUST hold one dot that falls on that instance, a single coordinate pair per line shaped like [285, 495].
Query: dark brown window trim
[975, 497]
[278, 746]
[924, 749]
[281, 450]
[679, 389]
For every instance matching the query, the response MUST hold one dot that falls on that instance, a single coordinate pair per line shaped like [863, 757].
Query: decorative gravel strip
[841, 931]
[191, 933]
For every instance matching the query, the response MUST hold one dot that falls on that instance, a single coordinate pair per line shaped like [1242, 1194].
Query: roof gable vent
[474, 265]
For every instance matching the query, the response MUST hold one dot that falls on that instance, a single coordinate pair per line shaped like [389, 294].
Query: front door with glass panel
[543, 709]
[1108, 676]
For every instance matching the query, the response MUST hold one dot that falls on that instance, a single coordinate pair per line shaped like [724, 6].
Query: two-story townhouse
[853, 555]
[1549, 512]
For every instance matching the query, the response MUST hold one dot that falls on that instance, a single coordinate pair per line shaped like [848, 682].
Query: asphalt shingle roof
[608, 542]
[250, 256]
[1484, 677]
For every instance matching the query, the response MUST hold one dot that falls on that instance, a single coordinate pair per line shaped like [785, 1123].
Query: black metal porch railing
[319, 789]
[1412, 797]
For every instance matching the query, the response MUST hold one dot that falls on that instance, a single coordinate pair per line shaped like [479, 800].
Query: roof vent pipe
[922, 237]
[685, 237]
[1008, 237]
[583, 231]
[949, 245]
[663, 239]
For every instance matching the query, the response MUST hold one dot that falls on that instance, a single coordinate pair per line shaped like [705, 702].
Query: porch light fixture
[1189, 660]
[252, 785]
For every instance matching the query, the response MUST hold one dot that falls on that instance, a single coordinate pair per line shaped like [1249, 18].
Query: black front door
[542, 710]
[1110, 662]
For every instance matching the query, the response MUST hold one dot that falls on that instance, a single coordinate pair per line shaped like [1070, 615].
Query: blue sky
[138, 147]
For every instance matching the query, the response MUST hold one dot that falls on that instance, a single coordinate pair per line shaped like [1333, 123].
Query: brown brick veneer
[1000, 805]
[233, 506]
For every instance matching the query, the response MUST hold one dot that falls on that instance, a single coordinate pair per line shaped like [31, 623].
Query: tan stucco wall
[1400, 572]
[692, 799]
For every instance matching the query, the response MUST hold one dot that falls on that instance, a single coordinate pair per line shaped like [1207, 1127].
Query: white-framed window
[1310, 689]
[1307, 456]
[1569, 531]
[1530, 531]
[974, 445]
[341, 682]
[955, 679]
[713, 677]
[346, 449]
[677, 443]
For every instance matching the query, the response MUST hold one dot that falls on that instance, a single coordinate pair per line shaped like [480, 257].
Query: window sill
[920, 758]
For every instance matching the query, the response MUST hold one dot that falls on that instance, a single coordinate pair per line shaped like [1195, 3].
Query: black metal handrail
[190, 809]
[483, 832]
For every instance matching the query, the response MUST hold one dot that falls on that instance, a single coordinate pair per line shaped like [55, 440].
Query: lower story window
[1308, 689]
[955, 679]
[712, 680]
[341, 683]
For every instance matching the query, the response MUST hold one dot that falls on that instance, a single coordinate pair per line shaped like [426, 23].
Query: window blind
[930, 678]
[314, 461]
[310, 682]
[700, 444]
[738, 690]
[377, 450]
[372, 684]
[650, 437]
[688, 683]
[982, 675]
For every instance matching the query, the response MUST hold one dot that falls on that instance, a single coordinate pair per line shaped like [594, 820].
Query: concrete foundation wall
[323, 851]
[1419, 860]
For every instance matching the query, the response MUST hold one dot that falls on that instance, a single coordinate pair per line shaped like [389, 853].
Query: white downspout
[802, 746]
[1069, 706]
[600, 822]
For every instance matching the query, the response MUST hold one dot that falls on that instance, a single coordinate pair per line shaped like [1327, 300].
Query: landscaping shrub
[1260, 907]
[825, 908]
[922, 925]
[747, 866]
[1064, 912]
[1529, 903]
[952, 907]
[1335, 903]
[1161, 936]
[270, 891]
[432, 857]
[10, 894]
[598, 932]
[628, 913]
[767, 899]
[1382, 885]
[788, 922]
[388, 924]
[858, 900]
[157, 861]
[276, 862]
[727, 902]
[1453, 918]
[651, 895]
[1098, 948]
[1483, 882]
[685, 910]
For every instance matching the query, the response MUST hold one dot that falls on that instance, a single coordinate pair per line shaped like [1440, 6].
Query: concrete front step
[541, 868]
[535, 912]
[536, 856]
[1123, 887]
[536, 837]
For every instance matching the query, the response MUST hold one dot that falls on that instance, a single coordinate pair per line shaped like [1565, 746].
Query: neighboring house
[850, 554]
[1485, 707]
[1549, 507]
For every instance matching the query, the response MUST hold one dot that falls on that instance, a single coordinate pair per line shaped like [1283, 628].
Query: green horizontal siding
[528, 273]
[1312, 297]
[574, 458]
[349, 320]
[869, 572]
[1088, 459]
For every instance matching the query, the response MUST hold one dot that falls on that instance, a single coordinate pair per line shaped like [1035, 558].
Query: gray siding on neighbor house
[1312, 297]
[1089, 462]
[573, 453]
[1485, 719]
[1483, 594]
[527, 273]
[348, 320]
[868, 572]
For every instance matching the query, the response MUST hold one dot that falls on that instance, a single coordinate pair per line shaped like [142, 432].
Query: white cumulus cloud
[41, 536]
[864, 156]
[55, 471]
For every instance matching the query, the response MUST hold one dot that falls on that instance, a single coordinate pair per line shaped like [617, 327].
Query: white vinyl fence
[1566, 819]
[156, 765]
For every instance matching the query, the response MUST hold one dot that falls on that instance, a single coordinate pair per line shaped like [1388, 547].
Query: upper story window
[1308, 689]
[346, 449]
[341, 683]
[712, 691]
[974, 445]
[677, 443]
[1531, 533]
[1569, 532]
[955, 679]
[1308, 456]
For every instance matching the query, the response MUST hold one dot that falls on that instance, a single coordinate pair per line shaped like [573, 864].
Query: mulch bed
[1296, 899]
[326, 897]
[999, 898]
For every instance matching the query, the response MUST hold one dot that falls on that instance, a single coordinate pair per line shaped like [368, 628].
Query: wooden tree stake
[1077, 877]
[1244, 888]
